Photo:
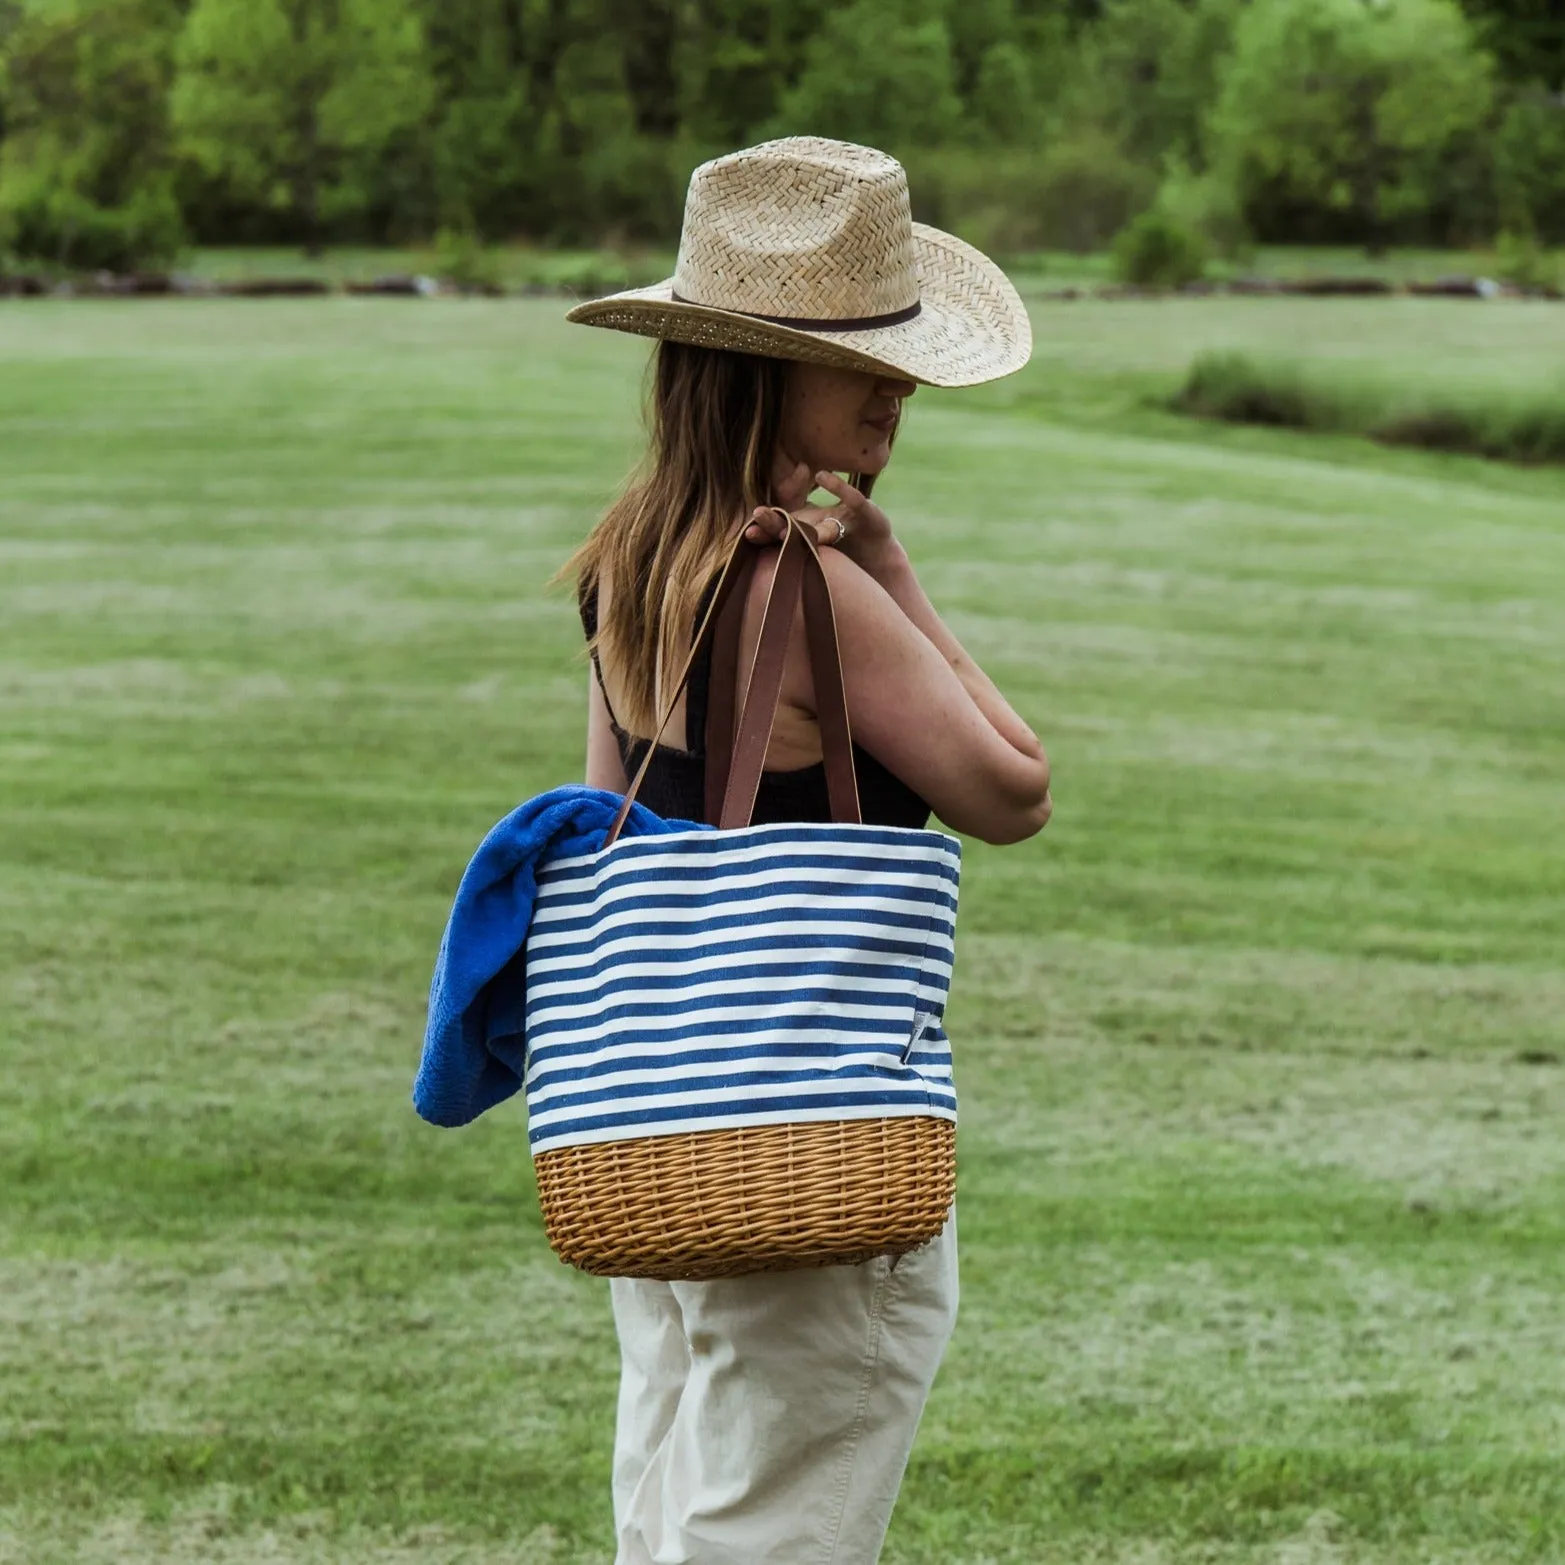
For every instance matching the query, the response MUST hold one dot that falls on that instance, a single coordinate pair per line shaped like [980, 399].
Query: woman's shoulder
[860, 604]
[843, 575]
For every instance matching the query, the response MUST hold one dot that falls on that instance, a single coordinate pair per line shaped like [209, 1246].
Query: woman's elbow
[1024, 812]
[1038, 816]
[999, 798]
[1017, 824]
[1031, 803]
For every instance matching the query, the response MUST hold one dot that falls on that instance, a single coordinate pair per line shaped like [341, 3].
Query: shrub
[592, 272]
[1525, 264]
[1521, 429]
[463, 260]
[1232, 387]
[1158, 251]
[1431, 429]
[57, 226]
[1207, 204]
[1531, 431]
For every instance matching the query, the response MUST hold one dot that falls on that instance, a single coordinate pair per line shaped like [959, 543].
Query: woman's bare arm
[1003, 795]
[894, 571]
[929, 713]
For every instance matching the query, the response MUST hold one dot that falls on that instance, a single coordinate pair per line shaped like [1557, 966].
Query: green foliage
[1208, 206]
[1003, 102]
[1526, 264]
[1529, 152]
[592, 272]
[1527, 38]
[1075, 196]
[1147, 73]
[1241, 390]
[462, 259]
[1347, 107]
[733, 62]
[294, 102]
[1156, 250]
[1527, 427]
[86, 165]
[483, 171]
[577, 122]
[1088, 188]
[879, 72]
[51, 223]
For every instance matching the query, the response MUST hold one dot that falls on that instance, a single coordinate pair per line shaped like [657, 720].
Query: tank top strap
[696, 687]
[587, 607]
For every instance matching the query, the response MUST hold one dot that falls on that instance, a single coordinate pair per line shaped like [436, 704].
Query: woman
[769, 1418]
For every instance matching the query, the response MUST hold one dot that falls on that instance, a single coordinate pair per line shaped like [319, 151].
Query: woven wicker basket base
[723, 1203]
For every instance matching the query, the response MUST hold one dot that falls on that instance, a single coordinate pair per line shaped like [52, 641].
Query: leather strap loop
[831, 699]
[736, 752]
[765, 687]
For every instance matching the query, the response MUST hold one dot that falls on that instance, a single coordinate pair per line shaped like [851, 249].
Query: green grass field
[1262, 1043]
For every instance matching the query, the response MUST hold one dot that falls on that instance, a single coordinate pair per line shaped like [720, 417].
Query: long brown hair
[713, 420]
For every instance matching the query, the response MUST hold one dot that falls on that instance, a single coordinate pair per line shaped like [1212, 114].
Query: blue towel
[475, 1051]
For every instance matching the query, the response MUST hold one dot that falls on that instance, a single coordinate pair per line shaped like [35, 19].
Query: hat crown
[802, 228]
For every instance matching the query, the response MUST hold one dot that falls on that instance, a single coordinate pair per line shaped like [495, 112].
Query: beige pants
[767, 1420]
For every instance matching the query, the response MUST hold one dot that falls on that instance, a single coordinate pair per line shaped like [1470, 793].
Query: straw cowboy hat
[805, 248]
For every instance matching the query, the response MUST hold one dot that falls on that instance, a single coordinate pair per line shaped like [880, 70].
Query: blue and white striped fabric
[706, 980]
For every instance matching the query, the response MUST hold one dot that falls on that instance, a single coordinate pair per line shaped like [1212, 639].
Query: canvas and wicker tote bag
[735, 1058]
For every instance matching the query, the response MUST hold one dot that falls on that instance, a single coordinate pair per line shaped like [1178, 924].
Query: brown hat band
[814, 323]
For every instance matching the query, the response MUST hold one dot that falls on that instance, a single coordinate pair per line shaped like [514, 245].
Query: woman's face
[840, 421]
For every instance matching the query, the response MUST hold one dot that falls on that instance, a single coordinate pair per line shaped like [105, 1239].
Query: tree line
[131, 127]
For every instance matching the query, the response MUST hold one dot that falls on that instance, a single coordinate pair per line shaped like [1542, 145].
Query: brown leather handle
[765, 687]
[734, 764]
[831, 697]
[736, 754]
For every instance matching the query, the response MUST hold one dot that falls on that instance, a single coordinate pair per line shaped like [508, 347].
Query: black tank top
[675, 784]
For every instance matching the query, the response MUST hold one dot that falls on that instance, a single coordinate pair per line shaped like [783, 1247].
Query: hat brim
[971, 326]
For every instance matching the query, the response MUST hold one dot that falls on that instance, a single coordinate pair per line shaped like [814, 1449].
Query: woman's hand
[865, 531]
